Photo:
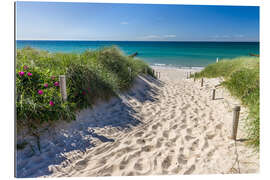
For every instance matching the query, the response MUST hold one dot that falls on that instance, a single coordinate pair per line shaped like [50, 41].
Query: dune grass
[242, 80]
[91, 76]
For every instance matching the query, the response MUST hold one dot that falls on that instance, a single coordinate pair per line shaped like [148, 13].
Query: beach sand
[160, 127]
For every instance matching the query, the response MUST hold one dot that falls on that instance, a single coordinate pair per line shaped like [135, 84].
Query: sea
[157, 53]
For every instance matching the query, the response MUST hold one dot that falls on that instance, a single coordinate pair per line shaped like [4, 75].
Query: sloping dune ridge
[165, 126]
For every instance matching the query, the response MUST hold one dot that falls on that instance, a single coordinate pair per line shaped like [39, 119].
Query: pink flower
[25, 67]
[56, 83]
[51, 103]
[53, 77]
[21, 73]
[40, 92]
[46, 85]
[29, 74]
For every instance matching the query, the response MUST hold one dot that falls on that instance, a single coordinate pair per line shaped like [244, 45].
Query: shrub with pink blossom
[38, 99]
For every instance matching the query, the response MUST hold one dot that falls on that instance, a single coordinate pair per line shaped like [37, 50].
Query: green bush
[85, 86]
[115, 62]
[91, 76]
[245, 84]
[226, 67]
[242, 79]
[38, 98]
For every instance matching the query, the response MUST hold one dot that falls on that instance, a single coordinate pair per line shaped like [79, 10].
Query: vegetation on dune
[242, 80]
[91, 76]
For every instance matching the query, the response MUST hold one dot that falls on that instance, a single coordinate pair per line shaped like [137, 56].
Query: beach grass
[91, 76]
[242, 79]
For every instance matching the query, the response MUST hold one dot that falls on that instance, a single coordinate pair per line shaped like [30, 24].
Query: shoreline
[150, 64]
[177, 67]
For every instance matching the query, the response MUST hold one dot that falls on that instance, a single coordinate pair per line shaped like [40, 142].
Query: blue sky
[135, 22]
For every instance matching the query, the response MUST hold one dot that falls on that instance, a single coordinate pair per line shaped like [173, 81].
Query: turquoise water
[157, 53]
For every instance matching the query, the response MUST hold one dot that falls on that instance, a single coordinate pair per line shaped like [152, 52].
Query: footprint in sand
[140, 141]
[159, 144]
[147, 148]
[203, 115]
[195, 145]
[138, 166]
[80, 165]
[135, 155]
[169, 144]
[155, 126]
[139, 134]
[130, 174]
[175, 138]
[123, 164]
[189, 137]
[183, 126]
[176, 170]
[175, 126]
[189, 130]
[219, 126]
[211, 153]
[186, 107]
[181, 159]
[195, 119]
[181, 149]
[190, 170]
[184, 121]
[166, 134]
[128, 142]
[172, 116]
[205, 145]
[166, 162]
[195, 110]
[210, 135]
[102, 161]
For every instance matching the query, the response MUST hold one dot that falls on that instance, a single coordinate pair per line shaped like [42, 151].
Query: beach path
[165, 126]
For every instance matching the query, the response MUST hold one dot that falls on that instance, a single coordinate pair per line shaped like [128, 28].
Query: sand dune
[166, 126]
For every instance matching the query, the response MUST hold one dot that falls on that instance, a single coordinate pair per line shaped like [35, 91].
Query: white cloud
[239, 35]
[170, 36]
[124, 23]
[220, 36]
[225, 37]
[152, 37]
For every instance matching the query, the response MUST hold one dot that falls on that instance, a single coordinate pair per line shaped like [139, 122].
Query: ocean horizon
[157, 53]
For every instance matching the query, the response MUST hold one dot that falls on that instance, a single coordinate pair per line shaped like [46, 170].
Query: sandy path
[180, 130]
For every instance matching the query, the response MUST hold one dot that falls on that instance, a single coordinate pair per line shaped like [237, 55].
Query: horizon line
[128, 40]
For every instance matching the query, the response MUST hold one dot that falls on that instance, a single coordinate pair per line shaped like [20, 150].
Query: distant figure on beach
[217, 60]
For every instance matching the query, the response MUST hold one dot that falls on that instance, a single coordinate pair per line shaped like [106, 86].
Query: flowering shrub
[56, 84]
[51, 103]
[90, 76]
[38, 98]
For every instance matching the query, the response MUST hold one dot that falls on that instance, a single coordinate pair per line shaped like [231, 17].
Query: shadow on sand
[78, 135]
